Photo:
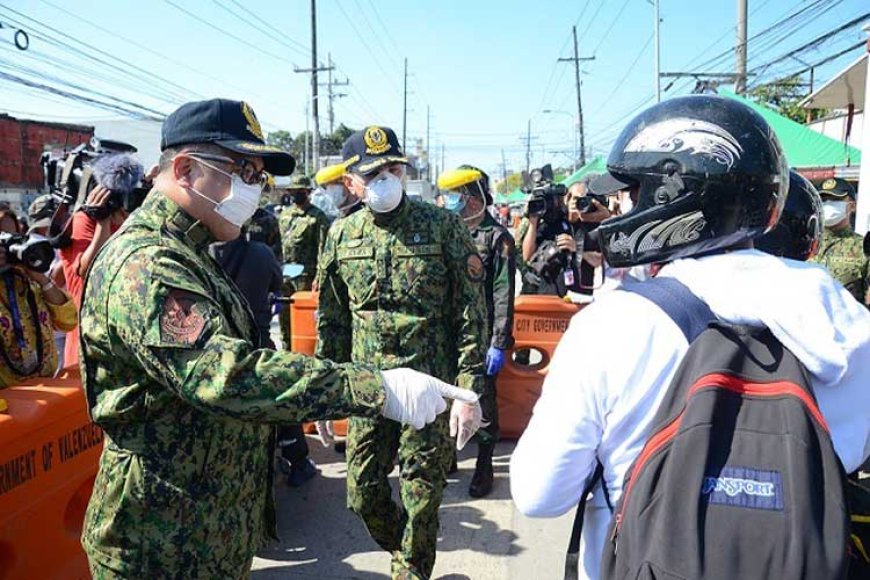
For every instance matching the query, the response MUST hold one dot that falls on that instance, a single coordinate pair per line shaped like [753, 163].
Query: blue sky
[485, 68]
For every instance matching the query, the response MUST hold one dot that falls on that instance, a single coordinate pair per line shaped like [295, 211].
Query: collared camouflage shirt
[842, 253]
[302, 234]
[404, 289]
[173, 376]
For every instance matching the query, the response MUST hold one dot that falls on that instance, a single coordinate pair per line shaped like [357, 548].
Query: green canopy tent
[804, 148]
[516, 196]
[597, 165]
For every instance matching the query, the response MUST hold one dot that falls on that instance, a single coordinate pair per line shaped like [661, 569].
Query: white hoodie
[618, 356]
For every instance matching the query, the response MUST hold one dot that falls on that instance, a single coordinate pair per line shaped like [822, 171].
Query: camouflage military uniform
[263, 227]
[302, 234]
[187, 404]
[496, 248]
[842, 253]
[402, 290]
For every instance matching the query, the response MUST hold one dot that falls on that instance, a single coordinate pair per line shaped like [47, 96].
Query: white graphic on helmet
[673, 232]
[690, 135]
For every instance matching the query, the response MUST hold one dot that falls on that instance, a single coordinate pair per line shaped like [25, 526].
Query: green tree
[513, 181]
[784, 96]
[281, 139]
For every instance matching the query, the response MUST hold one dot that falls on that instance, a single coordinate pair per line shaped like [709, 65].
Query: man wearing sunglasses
[174, 375]
[401, 284]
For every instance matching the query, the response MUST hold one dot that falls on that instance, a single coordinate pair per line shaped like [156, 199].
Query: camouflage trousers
[410, 530]
[301, 284]
[101, 571]
[490, 434]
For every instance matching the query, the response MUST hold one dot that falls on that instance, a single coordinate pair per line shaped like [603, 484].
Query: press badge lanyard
[18, 327]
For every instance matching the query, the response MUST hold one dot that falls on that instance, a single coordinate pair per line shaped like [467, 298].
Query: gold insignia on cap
[258, 147]
[829, 184]
[253, 124]
[376, 141]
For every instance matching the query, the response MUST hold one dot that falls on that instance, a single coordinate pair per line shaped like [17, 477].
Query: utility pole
[428, 154]
[332, 95]
[307, 135]
[658, 53]
[442, 157]
[529, 147]
[405, 109]
[576, 60]
[314, 70]
[740, 84]
[504, 172]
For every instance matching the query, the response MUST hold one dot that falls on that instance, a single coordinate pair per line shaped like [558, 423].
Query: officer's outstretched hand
[465, 420]
[415, 398]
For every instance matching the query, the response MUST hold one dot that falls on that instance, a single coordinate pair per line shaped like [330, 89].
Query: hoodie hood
[804, 307]
[812, 315]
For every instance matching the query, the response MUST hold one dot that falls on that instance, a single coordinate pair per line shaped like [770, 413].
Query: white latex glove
[415, 398]
[326, 432]
[465, 420]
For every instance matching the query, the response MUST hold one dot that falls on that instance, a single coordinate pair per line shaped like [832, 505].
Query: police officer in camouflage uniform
[173, 375]
[400, 285]
[467, 194]
[303, 230]
[263, 227]
[842, 250]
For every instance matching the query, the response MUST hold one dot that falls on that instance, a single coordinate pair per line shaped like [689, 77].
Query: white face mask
[335, 193]
[625, 203]
[384, 192]
[834, 212]
[242, 202]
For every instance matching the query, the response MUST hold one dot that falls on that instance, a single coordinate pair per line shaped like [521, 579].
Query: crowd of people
[169, 311]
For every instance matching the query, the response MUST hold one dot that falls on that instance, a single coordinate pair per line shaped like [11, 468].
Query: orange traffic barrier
[48, 461]
[539, 322]
[303, 322]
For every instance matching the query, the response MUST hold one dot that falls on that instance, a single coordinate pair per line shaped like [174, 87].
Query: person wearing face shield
[466, 193]
[401, 284]
[303, 230]
[175, 376]
[842, 250]
[331, 180]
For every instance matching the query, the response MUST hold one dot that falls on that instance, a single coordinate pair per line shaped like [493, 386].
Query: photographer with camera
[557, 251]
[31, 306]
[107, 206]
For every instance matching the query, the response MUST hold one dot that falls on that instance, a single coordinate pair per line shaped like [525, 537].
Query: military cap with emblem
[298, 182]
[368, 150]
[836, 188]
[229, 124]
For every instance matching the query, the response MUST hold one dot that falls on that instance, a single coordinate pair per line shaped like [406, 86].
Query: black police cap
[229, 124]
[836, 187]
[368, 150]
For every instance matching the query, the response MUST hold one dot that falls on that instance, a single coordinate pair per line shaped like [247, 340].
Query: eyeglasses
[245, 169]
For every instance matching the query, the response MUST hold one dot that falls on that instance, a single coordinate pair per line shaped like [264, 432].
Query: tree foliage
[330, 144]
[784, 96]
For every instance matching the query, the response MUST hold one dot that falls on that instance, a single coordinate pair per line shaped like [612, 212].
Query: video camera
[33, 253]
[72, 176]
[546, 196]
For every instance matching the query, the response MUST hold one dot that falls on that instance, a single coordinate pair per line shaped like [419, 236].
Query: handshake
[414, 398]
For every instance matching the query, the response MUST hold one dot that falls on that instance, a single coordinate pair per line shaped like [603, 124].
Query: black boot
[481, 481]
[454, 465]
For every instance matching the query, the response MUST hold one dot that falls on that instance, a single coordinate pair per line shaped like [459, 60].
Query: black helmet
[710, 174]
[799, 230]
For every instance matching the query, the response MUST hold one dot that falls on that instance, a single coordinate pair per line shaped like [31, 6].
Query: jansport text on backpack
[739, 478]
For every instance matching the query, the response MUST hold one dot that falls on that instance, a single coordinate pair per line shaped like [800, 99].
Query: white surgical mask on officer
[834, 212]
[242, 202]
[384, 193]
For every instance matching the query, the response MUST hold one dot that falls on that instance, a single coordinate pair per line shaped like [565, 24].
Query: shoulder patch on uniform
[474, 268]
[182, 319]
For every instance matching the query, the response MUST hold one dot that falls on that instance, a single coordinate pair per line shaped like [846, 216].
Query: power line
[225, 32]
[606, 101]
[609, 28]
[365, 44]
[258, 26]
[302, 49]
[65, 45]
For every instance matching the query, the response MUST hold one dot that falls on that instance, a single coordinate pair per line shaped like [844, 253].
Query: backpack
[739, 478]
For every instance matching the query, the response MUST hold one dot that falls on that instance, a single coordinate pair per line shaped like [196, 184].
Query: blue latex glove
[494, 361]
